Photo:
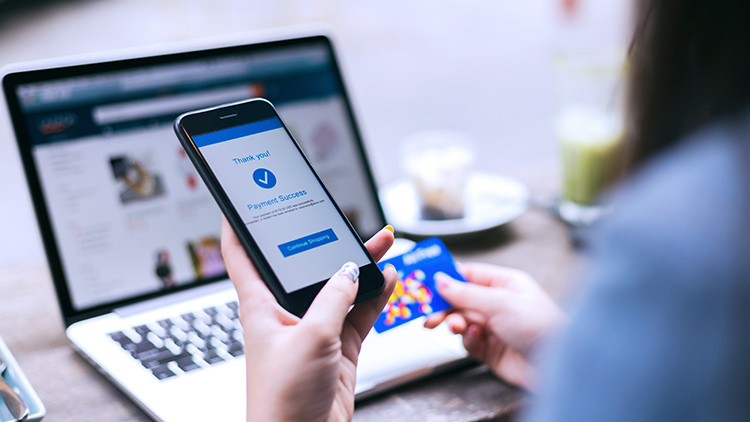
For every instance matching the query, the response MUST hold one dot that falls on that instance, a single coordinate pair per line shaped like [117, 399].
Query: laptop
[131, 234]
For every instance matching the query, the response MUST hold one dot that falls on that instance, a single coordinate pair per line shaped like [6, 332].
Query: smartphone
[285, 218]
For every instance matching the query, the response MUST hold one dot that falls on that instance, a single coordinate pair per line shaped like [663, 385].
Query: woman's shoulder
[704, 172]
[688, 207]
[664, 309]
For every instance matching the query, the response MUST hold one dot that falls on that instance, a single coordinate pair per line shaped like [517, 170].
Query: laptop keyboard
[189, 342]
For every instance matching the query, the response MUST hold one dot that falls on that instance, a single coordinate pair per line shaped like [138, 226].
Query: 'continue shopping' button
[305, 243]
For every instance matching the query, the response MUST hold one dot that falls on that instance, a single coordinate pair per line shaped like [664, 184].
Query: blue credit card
[415, 294]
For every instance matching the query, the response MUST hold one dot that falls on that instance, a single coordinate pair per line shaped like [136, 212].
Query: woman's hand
[502, 313]
[303, 369]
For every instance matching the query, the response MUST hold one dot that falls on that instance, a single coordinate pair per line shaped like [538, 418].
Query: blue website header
[236, 132]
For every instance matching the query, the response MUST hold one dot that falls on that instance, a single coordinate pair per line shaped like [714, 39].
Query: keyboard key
[157, 330]
[225, 322]
[142, 330]
[178, 334]
[118, 336]
[218, 344]
[132, 335]
[125, 341]
[235, 349]
[173, 347]
[203, 317]
[217, 332]
[187, 364]
[212, 357]
[193, 350]
[162, 372]
[155, 340]
[223, 354]
[201, 335]
[181, 324]
[209, 344]
[196, 340]
[165, 323]
[162, 357]
[202, 328]
[143, 350]
[227, 312]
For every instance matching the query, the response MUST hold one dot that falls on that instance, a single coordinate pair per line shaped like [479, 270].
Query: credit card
[415, 294]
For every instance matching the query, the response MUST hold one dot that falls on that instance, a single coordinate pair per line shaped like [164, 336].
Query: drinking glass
[589, 128]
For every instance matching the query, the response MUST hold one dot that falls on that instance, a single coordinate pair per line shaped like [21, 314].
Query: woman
[662, 331]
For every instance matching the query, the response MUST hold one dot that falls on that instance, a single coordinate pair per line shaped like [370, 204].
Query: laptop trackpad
[404, 351]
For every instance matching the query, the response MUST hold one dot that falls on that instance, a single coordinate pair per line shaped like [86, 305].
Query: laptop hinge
[172, 298]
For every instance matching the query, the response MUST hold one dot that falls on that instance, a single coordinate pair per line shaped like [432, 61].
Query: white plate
[491, 200]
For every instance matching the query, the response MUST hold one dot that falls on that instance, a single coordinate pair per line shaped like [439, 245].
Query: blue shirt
[662, 332]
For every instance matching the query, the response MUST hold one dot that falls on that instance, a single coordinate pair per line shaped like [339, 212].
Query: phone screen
[280, 201]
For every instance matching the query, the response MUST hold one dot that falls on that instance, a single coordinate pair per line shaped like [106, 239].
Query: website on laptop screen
[129, 214]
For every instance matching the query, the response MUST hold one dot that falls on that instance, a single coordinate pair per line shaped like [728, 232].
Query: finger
[364, 314]
[235, 257]
[471, 317]
[436, 319]
[379, 244]
[329, 308]
[474, 343]
[468, 296]
[253, 294]
[491, 275]
[456, 323]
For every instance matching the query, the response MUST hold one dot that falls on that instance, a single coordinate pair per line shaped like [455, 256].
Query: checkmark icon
[264, 178]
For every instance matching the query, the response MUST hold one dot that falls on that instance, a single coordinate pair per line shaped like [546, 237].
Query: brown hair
[689, 64]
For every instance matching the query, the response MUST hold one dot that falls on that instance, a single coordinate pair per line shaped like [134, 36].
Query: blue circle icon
[264, 178]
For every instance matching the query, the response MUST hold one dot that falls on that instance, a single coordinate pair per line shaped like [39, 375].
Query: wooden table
[31, 326]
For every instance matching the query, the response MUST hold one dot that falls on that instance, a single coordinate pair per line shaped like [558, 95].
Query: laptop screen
[122, 210]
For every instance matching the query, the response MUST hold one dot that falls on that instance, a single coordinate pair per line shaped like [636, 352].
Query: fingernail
[390, 229]
[350, 270]
[442, 281]
[390, 265]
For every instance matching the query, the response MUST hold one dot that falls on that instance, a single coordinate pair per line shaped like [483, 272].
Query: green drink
[590, 144]
[590, 130]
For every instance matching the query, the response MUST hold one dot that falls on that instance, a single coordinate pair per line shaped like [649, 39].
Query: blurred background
[482, 68]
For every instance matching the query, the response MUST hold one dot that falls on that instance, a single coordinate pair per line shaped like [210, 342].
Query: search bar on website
[174, 104]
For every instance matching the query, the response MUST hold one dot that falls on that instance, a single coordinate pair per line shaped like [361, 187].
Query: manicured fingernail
[391, 266]
[390, 229]
[350, 270]
[442, 280]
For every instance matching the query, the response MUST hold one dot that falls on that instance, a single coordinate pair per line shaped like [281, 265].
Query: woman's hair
[689, 64]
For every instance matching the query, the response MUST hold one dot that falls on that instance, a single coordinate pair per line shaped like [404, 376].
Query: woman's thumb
[467, 296]
[333, 301]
